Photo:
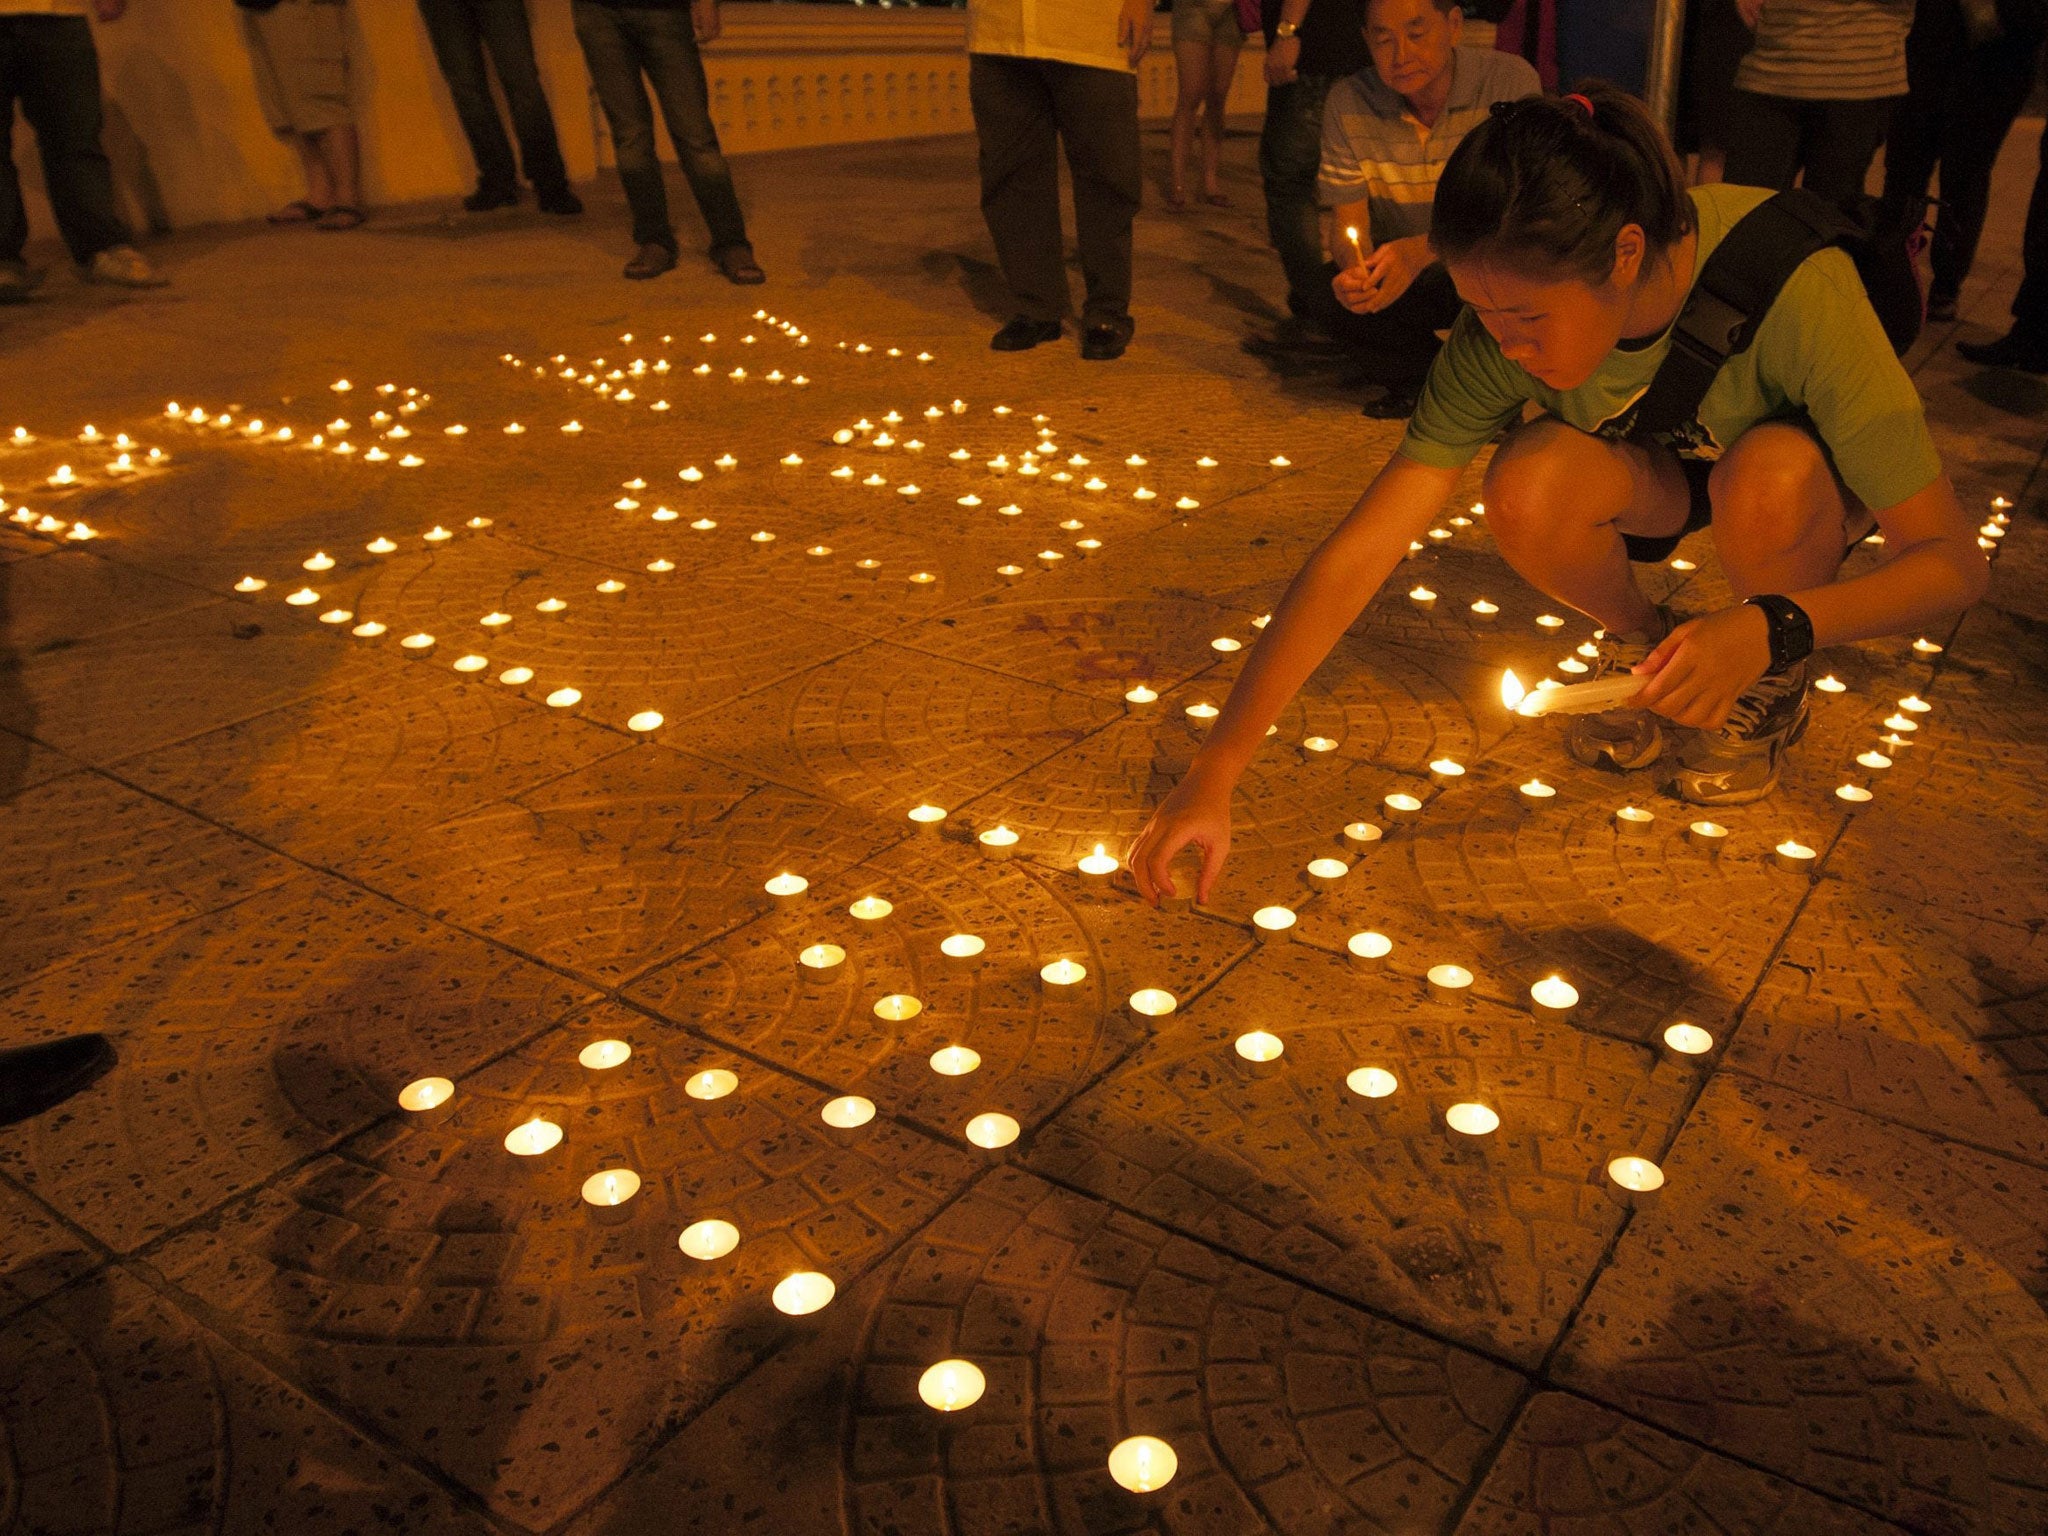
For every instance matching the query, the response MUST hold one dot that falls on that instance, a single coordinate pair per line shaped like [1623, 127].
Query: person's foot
[1626, 739]
[1392, 403]
[1293, 342]
[1103, 341]
[738, 264]
[34, 1078]
[123, 266]
[1941, 306]
[651, 260]
[341, 216]
[1021, 335]
[489, 199]
[2015, 349]
[1739, 763]
[17, 281]
[298, 211]
[558, 200]
[1176, 198]
[1217, 199]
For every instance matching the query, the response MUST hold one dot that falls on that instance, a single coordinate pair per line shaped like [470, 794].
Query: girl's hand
[1193, 816]
[1704, 665]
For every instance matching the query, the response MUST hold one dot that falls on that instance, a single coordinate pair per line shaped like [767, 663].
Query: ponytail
[1545, 184]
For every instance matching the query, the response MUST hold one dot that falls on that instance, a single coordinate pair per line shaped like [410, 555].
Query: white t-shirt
[1071, 31]
[44, 8]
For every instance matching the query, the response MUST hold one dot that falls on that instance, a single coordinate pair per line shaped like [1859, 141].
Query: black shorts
[1699, 512]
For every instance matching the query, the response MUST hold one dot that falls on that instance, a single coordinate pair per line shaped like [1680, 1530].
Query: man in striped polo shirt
[1387, 132]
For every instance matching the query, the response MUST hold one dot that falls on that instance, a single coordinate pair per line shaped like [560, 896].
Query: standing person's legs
[615, 71]
[1191, 72]
[1097, 114]
[2030, 304]
[455, 29]
[13, 214]
[1763, 140]
[1290, 151]
[1841, 141]
[1222, 71]
[668, 51]
[1018, 154]
[1915, 139]
[509, 36]
[1992, 88]
[59, 85]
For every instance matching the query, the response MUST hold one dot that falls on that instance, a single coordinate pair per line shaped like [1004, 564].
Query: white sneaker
[123, 266]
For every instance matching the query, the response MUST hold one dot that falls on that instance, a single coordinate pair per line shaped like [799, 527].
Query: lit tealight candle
[516, 677]
[1854, 794]
[1422, 598]
[1202, 713]
[426, 1100]
[1152, 1003]
[1187, 504]
[251, 584]
[712, 1083]
[898, 1008]
[1552, 999]
[1926, 647]
[534, 1138]
[1259, 1046]
[1097, 867]
[927, 818]
[1482, 609]
[1143, 1464]
[469, 663]
[1402, 804]
[1326, 874]
[1549, 621]
[787, 887]
[1901, 725]
[1141, 697]
[962, 946]
[645, 722]
[955, 1061]
[848, 1113]
[1361, 836]
[369, 629]
[1469, 1119]
[305, 597]
[607, 1194]
[564, 698]
[1830, 684]
[1635, 1177]
[998, 842]
[1225, 644]
[1445, 772]
[1688, 1039]
[991, 1130]
[1372, 1082]
[418, 644]
[1449, 982]
[1793, 856]
[803, 1293]
[1873, 759]
[1535, 794]
[603, 1055]
[951, 1385]
[1319, 746]
[871, 909]
[1710, 837]
[1913, 704]
[1063, 973]
[1368, 950]
[1634, 820]
[821, 957]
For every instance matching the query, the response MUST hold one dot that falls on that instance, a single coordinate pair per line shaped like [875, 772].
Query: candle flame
[1512, 693]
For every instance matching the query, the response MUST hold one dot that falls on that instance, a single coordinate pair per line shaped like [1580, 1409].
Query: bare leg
[341, 150]
[1558, 501]
[1191, 62]
[1781, 519]
[313, 165]
[1222, 70]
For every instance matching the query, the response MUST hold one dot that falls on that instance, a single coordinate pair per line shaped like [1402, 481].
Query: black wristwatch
[1791, 630]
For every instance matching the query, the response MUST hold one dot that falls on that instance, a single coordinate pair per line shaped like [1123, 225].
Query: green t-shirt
[1820, 356]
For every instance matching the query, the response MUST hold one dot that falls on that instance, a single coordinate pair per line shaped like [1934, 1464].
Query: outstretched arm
[1328, 594]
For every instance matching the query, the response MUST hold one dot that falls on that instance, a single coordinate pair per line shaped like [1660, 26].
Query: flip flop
[340, 216]
[298, 211]
[1217, 199]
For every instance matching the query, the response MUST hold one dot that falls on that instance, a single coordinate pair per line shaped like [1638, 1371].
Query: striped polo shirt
[1828, 50]
[1377, 152]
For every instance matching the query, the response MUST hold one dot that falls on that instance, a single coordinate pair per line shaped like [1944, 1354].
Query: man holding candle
[1043, 72]
[1387, 133]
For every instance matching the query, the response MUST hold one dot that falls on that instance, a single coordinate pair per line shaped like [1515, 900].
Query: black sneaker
[34, 1078]
[1626, 739]
[487, 199]
[558, 200]
[1103, 341]
[1739, 763]
[1021, 335]
[2029, 354]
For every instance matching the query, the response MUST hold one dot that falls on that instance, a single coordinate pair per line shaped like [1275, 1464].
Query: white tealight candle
[369, 629]
[707, 1240]
[516, 677]
[1688, 1039]
[1449, 982]
[1913, 704]
[1549, 621]
[1636, 1176]
[848, 1113]
[1372, 1082]
[251, 584]
[821, 957]
[305, 597]
[1633, 820]
[1926, 647]
[871, 909]
[898, 1008]
[1854, 794]
[1482, 609]
[787, 887]
[1140, 697]
[603, 1055]
[1422, 597]
[1873, 759]
[998, 842]
[1143, 1464]
[1202, 713]
[418, 644]
[1273, 922]
[712, 1083]
[1098, 866]
[991, 1131]
[951, 1385]
[1402, 803]
[1830, 684]
[534, 1138]
[1258, 1045]
[1535, 794]
[646, 721]
[1793, 856]
[426, 1100]
[955, 1061]
[1445, 771]
[803, 1293]
[1361, 836]
[1368, 950]
[1326, 874]
[469, 663]
[926, 818]
[1063, 973]
[1469, 1119]
[1710, 837]
[564, 698]
[607, 1192]
[1552, 999]
[1152, 1003]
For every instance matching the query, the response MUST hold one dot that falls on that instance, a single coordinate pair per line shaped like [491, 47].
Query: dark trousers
[2030, 304]
[1021, 108]
[1395, 346]
[1771, 139]
[49, 65]
[461, 30]
[1961, 103]
[620, 44]
[1290, 151]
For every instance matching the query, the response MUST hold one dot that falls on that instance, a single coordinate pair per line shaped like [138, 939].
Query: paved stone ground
[291, 869]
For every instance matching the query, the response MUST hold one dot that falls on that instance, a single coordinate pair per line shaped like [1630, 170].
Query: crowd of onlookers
[1366, 100]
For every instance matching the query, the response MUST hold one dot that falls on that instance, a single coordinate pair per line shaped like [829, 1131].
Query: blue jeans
[620, 44]
[460, 31]
[1290, 153]
[49, 65]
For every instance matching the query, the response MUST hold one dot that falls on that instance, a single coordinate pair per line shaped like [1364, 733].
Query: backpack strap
[1734, 291]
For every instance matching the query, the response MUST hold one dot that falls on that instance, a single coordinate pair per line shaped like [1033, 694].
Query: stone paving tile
[1871, 1007]
[1038, 1044]
[1287, 1410]
[357, 770]
[25, 764]
[92, 863]
[1572, 1469]
[146, 685]
[1848, 1303]
[250, 1038]
[121, 1414]
[75, 595]
[634, 859]
[38, 1253]
[463, 1301]
[886, 729]
[1282, 1163]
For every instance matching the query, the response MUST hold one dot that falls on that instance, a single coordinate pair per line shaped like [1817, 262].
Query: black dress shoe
[738, 264]
[485, 199]
[1021, 335]
[651, 261]
[2029, 354]
[34, 1078]
[559, 200]
[1103, 341]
